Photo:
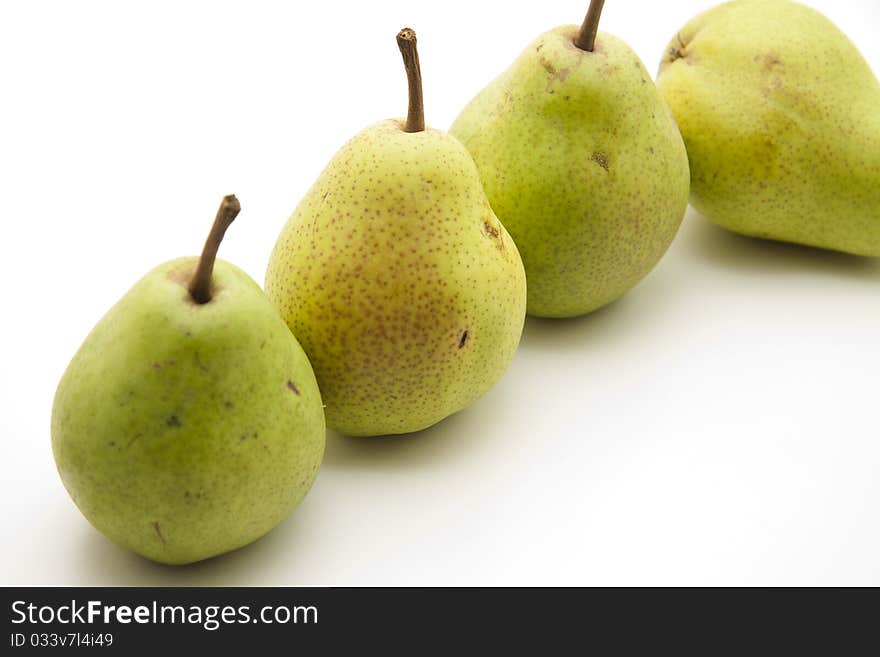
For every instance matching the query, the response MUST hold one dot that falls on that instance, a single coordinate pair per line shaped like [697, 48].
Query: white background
[719, 425]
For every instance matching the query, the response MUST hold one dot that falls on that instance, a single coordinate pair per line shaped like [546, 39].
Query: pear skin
[779, 113]
[583, 165]
[183, 430]
[404, 289]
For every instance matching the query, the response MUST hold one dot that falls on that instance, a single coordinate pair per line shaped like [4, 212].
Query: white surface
[717, 426]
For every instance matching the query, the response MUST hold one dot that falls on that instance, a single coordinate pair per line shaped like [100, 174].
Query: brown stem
[200, 285]
[586, 38]
[415, 117]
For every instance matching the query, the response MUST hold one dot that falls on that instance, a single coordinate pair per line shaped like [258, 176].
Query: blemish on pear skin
[600, 159]
[770, 60]
[173, 421]
[464, 337]
[292, 386]
[555, 75]
[158, 531]
[492, 232]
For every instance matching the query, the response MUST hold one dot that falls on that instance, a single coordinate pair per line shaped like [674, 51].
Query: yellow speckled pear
[780, 114]
[405, 291]
[582, 163]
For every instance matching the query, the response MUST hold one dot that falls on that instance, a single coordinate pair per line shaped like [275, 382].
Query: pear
[189, 423]
[406, 292]
[779, 113]
[582, 163]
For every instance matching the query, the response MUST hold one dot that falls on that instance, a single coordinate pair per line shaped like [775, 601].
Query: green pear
[189, 423]
[406, 292]
[781, 118]
[582, 163]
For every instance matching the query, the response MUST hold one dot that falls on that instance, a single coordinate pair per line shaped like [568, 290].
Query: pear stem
[200, 285]
[586, 38]
[415, 117]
